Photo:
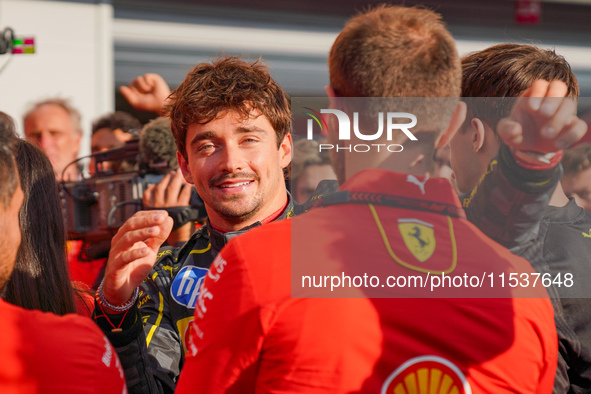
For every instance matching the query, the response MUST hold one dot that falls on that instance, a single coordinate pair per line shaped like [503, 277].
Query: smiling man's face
[237, 168]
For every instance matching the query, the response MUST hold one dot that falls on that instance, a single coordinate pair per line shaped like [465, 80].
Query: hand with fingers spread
[147, 92]
[133, 253]
[542, 120]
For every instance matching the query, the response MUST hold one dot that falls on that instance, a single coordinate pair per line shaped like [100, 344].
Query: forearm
[509, 202]
[143, 368]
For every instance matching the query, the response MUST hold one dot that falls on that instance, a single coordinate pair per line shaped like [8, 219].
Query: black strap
[351, 197]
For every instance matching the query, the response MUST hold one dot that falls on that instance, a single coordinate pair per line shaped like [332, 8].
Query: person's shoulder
[265, 236]
[260, 250]
[58, 353]
[535, 314]
[70, 323]
[52, 333]
[326, 186]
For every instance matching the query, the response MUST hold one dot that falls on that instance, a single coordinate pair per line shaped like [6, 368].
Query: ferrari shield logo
[418, 237]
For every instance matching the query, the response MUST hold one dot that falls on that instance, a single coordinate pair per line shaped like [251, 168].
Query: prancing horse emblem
[418, 236]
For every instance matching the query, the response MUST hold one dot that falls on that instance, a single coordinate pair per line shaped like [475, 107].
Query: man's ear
[331, 96]
[285, 149]
[184, 166]
[331, 120]
[457, 119]
[479, 132]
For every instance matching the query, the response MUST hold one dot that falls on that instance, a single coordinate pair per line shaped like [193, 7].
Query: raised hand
[542, 120]
[134, 250]
[147, 92]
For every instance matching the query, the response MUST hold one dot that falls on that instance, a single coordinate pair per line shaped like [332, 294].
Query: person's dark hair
[507, 70]
[117, 120]
[394, 51]
[577, 159]
[40, 278]
[8, 174]
[228, 83]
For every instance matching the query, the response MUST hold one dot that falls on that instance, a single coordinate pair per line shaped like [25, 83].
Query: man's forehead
[249, 115]
[47, 109]
[49, 115]
[255, 122]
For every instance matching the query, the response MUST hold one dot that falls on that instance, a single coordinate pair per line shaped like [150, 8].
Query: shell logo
[427, 375]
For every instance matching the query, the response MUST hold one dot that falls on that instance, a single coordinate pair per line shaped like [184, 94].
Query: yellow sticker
[183, 328]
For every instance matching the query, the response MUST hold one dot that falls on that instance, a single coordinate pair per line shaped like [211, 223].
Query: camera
[95, 207]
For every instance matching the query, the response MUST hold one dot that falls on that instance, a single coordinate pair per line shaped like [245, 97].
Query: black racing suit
[510, 206]
[152, 344]
[508, 203]
[563, 247]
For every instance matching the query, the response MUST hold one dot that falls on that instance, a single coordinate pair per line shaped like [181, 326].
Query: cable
[6, 62]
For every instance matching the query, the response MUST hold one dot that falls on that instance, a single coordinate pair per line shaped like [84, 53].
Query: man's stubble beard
[237, 215]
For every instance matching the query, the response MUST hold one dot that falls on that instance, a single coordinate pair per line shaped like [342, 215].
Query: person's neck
[268, 213]
[412, 160]
[558, 199]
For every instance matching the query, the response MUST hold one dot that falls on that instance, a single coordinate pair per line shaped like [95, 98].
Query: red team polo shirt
[44, 353]
[254, 333]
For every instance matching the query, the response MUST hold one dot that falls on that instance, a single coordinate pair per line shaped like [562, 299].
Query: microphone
[157, 145]
[158, 150]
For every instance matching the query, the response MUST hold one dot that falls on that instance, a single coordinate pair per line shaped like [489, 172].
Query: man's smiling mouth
[237, 184]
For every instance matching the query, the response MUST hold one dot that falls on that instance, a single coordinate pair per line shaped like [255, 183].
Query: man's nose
[44, 141]
[232, 159]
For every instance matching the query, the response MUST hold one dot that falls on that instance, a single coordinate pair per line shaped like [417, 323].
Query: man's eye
[205, 147]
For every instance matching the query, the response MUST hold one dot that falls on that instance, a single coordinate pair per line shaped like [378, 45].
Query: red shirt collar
[403, 185]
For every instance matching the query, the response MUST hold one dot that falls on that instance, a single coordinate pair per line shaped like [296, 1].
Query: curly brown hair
[228, 83]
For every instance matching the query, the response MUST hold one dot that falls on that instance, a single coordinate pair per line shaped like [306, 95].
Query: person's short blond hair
[401, 52]
[394, 51]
